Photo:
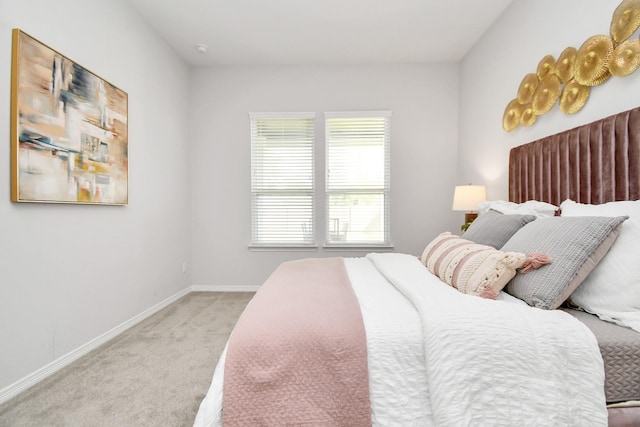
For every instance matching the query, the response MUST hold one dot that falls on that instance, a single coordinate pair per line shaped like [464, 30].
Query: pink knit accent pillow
[469, 267]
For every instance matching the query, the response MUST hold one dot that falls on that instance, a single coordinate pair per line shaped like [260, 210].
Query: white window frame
[255, 242]
[384, 190]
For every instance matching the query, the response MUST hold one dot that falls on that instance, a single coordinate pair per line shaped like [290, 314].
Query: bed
[470, 332]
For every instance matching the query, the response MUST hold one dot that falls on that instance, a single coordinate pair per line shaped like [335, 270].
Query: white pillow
[612, 289]
[530, 207]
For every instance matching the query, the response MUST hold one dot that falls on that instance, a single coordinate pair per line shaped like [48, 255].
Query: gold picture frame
[69, 130]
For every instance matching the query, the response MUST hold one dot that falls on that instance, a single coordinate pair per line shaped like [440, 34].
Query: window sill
[346, 247]
[283, 248]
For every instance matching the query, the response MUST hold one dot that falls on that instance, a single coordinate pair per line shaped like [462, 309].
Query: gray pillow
[494, 228]
[575, 245]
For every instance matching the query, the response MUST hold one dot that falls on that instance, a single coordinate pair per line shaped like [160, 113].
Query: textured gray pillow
[494, 228]
[575, 245]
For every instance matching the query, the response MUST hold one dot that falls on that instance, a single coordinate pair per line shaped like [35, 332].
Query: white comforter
[441, 358]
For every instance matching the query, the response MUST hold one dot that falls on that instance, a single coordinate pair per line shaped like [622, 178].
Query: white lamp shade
[467, 197]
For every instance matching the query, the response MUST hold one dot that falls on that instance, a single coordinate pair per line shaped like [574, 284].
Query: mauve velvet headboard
[595, 163]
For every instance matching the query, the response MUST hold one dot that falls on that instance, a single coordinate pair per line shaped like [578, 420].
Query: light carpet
[154, 374]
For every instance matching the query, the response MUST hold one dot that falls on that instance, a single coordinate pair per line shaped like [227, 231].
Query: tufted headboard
[595, 163]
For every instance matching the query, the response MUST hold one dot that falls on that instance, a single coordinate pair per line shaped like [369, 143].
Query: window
[357, 178]
[282, 180]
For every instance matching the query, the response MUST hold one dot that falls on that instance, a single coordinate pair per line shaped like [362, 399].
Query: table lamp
[466, 198]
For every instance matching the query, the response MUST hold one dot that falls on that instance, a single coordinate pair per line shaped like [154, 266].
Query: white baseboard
[47, 370]
[223, 288]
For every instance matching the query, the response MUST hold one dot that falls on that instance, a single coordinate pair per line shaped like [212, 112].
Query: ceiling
[303, 32]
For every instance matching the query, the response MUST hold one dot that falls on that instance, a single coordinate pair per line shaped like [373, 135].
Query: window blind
[282, 179]
[357, 178]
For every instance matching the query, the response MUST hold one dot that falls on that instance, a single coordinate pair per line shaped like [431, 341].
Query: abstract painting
[69, 130]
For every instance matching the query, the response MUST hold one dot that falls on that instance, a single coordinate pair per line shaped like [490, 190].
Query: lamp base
[469, 217]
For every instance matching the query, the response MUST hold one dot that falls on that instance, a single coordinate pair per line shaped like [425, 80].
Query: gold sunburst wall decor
[568, 80]
[564, 65]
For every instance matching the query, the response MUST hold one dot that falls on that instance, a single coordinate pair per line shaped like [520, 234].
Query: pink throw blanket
[298, 353]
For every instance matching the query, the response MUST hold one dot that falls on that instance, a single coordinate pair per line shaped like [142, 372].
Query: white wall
[491, 74]
[70, 273]
[424, 102]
